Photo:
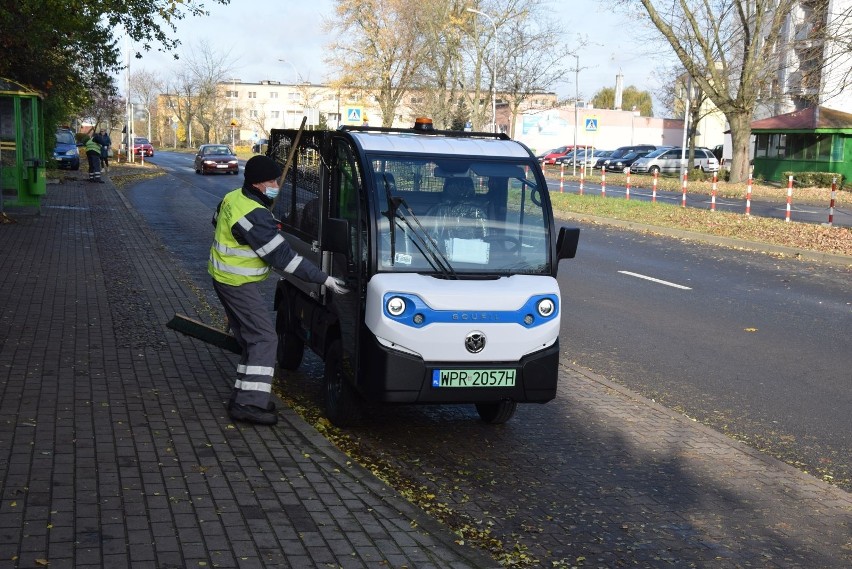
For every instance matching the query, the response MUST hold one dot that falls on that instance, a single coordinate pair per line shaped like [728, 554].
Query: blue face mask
[271, 192]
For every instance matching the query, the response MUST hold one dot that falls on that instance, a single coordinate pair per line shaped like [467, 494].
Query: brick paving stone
[121, 439]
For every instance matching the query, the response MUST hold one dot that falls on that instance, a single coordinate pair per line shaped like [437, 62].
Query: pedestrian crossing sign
[353, 115]
[592, 124]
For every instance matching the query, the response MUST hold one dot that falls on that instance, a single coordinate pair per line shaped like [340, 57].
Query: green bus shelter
[22, 157]
[815, 139]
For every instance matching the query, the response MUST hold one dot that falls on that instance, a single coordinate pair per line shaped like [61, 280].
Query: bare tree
[535, 58]
[105, 108]
[209, 72]
[438, 80]
[382, 48]
[727, 47]
[144, 87]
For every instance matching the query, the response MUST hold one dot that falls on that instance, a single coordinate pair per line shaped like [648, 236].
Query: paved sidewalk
[115, 446]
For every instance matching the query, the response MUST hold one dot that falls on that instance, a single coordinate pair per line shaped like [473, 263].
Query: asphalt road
[754, 346]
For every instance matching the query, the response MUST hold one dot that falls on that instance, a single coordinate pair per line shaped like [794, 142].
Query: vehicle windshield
[221, 150]
[64, 137]
[140, 141]
[455, 215]
[657, 152]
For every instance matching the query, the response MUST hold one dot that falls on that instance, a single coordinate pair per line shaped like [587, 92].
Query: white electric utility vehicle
[447, 243]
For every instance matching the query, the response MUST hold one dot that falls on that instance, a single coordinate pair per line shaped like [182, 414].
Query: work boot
[252, 414]
[270, 406]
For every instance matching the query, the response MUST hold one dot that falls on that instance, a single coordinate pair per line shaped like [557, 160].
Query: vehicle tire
[496, 412]
[654, 170]
[291, 348]
[342, 402]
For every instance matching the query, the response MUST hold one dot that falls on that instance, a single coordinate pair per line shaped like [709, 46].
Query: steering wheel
[510, 244]
[535, 196]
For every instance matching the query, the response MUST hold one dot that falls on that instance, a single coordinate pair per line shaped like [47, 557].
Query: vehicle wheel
[495, 413]
[654, 170]
[342, 402]
[291, 348]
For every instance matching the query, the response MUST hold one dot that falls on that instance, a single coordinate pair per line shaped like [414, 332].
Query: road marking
[652, 279]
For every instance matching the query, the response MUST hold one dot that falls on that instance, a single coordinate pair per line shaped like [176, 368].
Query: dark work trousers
[94, 165]
[251, 322]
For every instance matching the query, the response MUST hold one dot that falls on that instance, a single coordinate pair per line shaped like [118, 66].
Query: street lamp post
[493, 68]
[144, 108]
[576, 100]
[282, 60]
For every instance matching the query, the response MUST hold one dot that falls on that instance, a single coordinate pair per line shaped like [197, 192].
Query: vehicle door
[348, 202]
[670, 161]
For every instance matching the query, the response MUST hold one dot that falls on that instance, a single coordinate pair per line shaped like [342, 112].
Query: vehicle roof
[417, 143]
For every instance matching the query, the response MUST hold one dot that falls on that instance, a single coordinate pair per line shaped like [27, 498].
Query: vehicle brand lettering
[475, 316]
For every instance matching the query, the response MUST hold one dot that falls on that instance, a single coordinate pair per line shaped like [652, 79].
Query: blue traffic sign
[591, 125]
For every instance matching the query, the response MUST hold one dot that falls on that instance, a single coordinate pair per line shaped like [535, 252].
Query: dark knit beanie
[261, 168]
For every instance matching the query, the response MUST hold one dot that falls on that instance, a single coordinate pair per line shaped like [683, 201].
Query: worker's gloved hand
[336, 285]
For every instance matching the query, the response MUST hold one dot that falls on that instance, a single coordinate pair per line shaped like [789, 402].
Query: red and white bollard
[831, 205]
[627, 187]
[654, 186]
[713, 193]
[582, 177]
[683, 200]
[603, 181]
[562, 177]
[748, 196]
[789, 197]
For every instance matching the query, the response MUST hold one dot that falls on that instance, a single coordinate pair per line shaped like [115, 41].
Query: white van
[667, 160]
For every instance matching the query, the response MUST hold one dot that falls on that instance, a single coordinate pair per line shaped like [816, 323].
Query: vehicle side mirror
[566, 242]
[335, 235]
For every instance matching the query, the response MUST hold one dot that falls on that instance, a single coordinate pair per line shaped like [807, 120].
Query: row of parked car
[641, 158]
[67, 154]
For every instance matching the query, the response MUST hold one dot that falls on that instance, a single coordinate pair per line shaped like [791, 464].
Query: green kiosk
[22, 158]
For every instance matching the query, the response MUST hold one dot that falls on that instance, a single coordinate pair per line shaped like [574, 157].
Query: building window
[252, 94]
[273, 95]
[253, 114]
[230, 94]
[276, 114]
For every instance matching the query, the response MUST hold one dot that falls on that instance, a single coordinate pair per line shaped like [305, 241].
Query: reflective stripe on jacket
[230, 262]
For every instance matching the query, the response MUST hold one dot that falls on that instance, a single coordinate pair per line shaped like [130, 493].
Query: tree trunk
[740, 124]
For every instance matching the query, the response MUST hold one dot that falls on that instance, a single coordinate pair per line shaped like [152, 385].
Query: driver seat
[458, 214]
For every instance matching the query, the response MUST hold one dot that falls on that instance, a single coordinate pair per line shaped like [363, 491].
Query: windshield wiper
[424, 242]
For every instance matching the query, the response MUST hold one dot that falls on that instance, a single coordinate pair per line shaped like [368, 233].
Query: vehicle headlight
[395, 306]
[209, 161]
[232, 161]
[546, 307]
[72, 152]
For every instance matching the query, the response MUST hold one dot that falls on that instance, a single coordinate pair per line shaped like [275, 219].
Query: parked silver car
[668, 160]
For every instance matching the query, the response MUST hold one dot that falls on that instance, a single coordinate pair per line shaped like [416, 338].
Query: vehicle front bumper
[391, 376]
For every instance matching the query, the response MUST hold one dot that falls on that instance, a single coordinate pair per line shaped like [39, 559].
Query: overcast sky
[257, 33]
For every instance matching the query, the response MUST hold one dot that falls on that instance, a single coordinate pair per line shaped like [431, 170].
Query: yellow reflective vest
[231, 262]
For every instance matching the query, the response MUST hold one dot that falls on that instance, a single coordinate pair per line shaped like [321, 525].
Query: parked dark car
[619, 164]
[622, 151]
[142, 147]
[212, 158]
[65, 152]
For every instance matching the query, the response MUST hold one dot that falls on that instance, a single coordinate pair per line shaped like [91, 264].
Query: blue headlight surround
[415, 305]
